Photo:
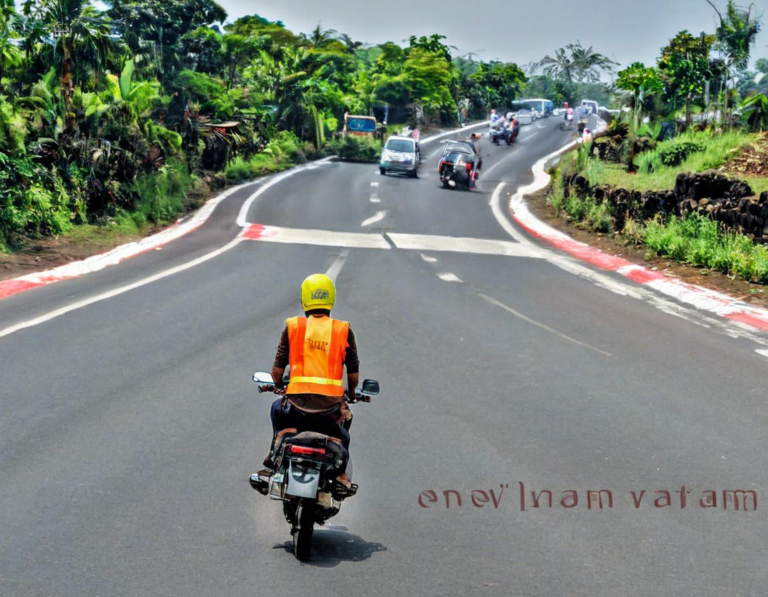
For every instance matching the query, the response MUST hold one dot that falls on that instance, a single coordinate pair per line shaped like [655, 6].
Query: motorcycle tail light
[304, 451]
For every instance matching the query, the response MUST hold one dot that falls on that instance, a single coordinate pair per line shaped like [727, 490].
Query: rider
[317, 348]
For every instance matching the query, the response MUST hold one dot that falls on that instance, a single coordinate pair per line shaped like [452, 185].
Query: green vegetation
[123, 117]
[586, 212]
[691, 152]
[696, 240]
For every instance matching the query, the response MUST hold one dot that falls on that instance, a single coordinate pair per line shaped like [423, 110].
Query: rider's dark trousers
[286, 416]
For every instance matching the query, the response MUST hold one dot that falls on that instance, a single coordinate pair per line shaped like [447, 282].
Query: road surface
[129, 424]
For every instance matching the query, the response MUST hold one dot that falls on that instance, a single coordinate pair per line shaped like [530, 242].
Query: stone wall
[728, 201]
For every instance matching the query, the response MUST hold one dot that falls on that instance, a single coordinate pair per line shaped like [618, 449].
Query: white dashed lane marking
[449, 277]
[380, 215]
[428, 259]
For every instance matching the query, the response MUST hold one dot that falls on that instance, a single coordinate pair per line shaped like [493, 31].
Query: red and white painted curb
[696, 296]
[118, 254]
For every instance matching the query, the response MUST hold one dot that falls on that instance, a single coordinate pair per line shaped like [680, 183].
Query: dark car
[457, 167]
[464, 146]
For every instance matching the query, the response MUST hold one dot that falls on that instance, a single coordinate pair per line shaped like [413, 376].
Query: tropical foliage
[115, 114]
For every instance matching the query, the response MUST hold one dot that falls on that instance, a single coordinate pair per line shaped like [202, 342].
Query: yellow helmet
[318, 292]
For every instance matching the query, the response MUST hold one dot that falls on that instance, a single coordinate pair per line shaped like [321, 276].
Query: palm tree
[80, 34]
[319, 37]
[352, 46]
[576, 64]
[735, 36]
[560, 66]
[589, 63]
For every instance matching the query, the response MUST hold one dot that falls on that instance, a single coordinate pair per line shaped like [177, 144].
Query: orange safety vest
[317, 349]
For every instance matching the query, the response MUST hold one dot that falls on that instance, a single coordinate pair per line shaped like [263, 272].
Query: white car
[524, 117]
[400, 154]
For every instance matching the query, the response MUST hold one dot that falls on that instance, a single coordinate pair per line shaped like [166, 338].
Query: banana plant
[755, 108]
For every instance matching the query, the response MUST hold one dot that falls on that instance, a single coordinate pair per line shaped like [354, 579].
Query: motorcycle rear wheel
[303, 530]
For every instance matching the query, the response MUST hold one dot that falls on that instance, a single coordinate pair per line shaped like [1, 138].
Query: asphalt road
[129, 426]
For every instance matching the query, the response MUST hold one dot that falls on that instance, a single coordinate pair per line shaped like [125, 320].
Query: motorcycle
[455, 170]
[306, 465]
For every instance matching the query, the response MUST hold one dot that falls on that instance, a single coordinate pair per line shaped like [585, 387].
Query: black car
[463, 147]
[457, 167]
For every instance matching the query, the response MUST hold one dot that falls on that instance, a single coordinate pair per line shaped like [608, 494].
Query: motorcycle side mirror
[262, 377]
[370, 387]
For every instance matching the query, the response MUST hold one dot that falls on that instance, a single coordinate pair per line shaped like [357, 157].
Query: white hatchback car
[401, 154]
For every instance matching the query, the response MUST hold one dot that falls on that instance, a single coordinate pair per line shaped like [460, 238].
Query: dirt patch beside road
[47, 253]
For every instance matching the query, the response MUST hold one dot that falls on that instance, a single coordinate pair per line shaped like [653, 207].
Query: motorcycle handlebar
[359, 396]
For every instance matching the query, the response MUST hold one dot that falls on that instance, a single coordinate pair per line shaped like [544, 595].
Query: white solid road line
[541, 325]
[763, 353]
[335, 269]
[372, 240]
[118, 291]
[380, 215]
[328, 238]
[242, 217]
[448, 277]
[480, 246]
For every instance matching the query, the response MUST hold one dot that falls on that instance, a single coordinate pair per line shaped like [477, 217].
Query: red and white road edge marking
[696, 296]
[118, 254]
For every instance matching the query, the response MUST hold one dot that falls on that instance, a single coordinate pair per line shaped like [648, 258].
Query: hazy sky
[508, 30]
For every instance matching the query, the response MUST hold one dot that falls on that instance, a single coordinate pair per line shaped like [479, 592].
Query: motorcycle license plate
[302, 481]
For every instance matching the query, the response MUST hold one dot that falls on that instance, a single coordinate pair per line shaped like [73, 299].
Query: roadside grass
[281, 153]
[653, 175]
[587, 212]
[696, 240]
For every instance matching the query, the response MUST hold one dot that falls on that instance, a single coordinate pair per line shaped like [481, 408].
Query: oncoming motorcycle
[307, 464]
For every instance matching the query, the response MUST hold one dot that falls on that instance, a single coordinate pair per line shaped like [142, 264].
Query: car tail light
[304, 451]
[468, 167]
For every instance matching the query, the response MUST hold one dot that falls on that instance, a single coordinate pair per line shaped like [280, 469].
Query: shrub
[599, 217]
[359, 149]
[556, 197]
[575, 208]
[238, 170]
[676, 153]
[162, 195]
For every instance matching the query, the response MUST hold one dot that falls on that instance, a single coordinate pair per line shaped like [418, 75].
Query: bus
[544, 107]
[360, 126]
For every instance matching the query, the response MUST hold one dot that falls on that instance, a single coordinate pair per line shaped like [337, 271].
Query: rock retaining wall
[728, 201]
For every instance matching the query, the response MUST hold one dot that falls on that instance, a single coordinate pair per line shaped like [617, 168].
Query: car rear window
[456, 158]
[402, 145]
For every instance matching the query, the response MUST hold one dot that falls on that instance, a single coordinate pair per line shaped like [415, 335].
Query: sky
[508, 30]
